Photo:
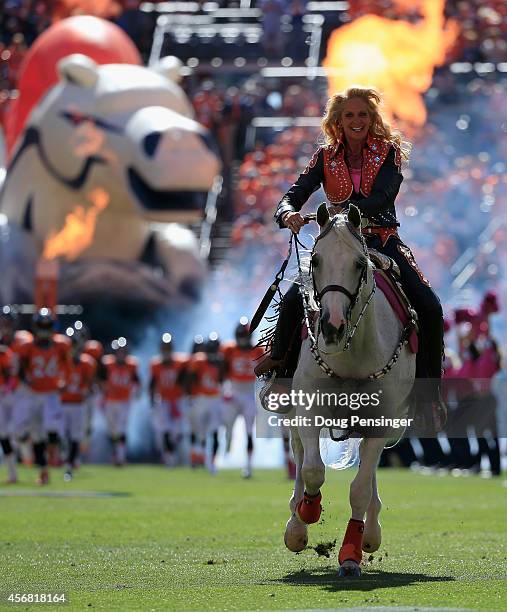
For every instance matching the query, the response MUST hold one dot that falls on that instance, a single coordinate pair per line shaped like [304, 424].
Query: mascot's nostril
[150, 143]
[190, 288]
[209, 142]
[27, 224]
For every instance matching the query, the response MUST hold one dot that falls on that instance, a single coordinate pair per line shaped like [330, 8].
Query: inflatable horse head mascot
[109, 165]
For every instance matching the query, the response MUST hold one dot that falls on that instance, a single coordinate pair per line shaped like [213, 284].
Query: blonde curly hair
[331, 122]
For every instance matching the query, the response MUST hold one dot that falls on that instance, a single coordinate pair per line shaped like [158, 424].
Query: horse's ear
[354, 216]
[322, 215]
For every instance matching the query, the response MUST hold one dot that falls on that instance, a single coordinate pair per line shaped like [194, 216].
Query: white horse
[357, 336]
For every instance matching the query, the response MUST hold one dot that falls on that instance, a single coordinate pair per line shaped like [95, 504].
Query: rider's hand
[294, 221]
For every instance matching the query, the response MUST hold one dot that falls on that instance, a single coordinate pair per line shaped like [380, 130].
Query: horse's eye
[360, 264]
[315, 260]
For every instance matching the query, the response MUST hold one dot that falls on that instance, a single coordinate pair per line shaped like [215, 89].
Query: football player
[15, 401]
[6, 389]
[165, 394]
[240, 357]
[95, 349]
[44, 367]
[78, 388]
[205, 377]
[120, 381]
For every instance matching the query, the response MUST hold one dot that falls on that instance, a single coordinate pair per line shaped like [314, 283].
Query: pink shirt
[355, 175]
[486, 368]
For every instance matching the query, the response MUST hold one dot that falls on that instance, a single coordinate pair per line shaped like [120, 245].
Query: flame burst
[99, 8]
[396, 57]
[79, 229]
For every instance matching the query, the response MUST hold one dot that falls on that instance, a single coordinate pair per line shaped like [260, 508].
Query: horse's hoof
[372, 537]
[296, 534]
[349, 569]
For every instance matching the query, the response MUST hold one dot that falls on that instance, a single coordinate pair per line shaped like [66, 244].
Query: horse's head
[340, 270]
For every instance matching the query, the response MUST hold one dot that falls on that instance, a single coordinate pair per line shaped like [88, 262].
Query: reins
[270, 293]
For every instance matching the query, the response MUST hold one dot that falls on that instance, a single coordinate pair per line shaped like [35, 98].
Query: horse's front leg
[296, 531]
[298, 452]
[361, 493]
[372, 536]
[313, 473]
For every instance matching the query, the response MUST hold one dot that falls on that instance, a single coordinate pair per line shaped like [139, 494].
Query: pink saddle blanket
[399, 307]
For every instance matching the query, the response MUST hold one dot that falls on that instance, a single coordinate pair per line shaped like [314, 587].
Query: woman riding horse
[359, 163]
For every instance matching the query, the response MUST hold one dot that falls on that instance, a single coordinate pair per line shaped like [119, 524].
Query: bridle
[354, 299]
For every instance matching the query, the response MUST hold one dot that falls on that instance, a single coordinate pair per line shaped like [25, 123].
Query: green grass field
[183, 540]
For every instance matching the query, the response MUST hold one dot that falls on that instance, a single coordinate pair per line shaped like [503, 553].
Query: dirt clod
[324, 549]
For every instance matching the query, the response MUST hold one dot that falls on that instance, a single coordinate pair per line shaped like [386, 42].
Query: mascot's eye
[315, 260]
[75, 118]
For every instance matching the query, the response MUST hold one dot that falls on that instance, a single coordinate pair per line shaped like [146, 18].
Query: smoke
[230, 292]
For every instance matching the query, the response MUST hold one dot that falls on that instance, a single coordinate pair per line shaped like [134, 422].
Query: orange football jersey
[6, 363]
[121, 378]
[240, 362]
[165, 376]
[46, 367]
[21, 337]
[94, 348]
[188, 367]
[206, 376]
[80, 379]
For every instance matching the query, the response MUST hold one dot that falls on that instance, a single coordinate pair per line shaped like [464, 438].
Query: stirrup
[439, 414]
[430, 417]
[266, 387]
